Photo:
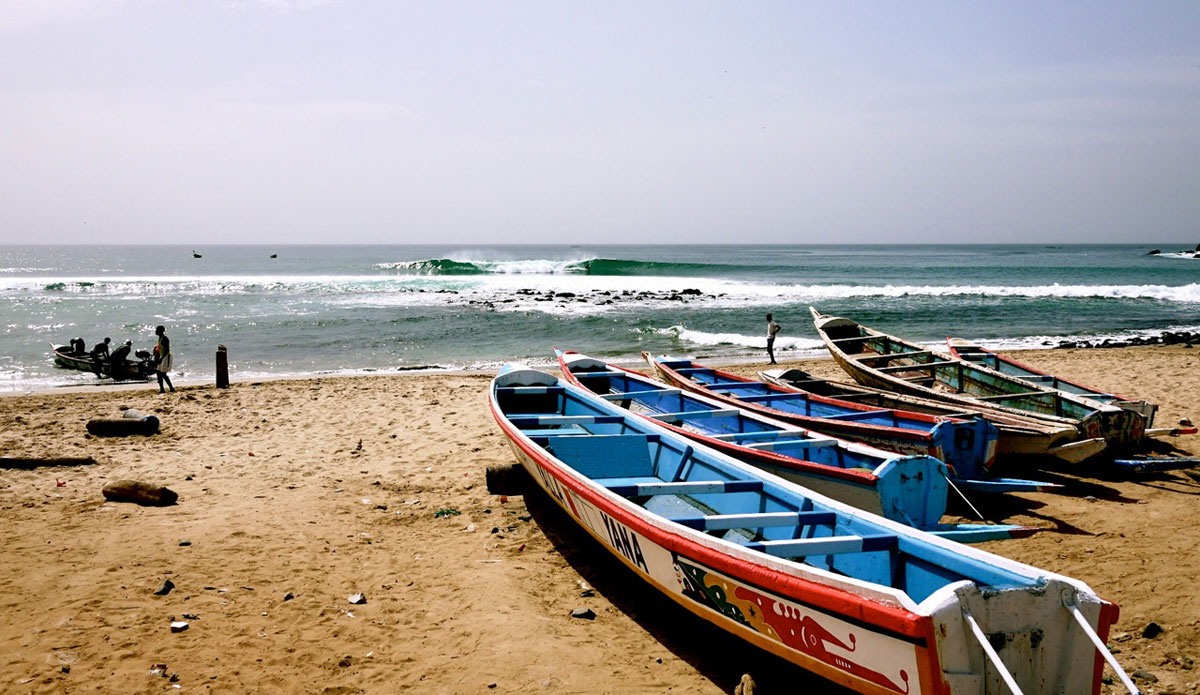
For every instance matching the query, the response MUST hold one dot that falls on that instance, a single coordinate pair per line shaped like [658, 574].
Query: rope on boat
[960, 494]
[991, 653]
[1087, 629]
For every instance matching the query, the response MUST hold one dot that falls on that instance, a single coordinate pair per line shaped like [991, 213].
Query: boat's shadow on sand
[714, 653]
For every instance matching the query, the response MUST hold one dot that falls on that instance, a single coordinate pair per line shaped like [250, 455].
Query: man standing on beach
[162, 358]
[772, 329]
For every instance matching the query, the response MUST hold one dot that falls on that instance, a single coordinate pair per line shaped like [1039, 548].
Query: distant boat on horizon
[196, 255]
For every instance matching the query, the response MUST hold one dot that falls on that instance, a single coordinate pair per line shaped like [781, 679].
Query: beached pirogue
[866, 602]
[885, 361]
[973, 352]
[968, 444]
[1014, 429]
[910, 489]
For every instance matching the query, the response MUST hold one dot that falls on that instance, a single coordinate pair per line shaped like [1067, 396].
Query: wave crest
[578, 266]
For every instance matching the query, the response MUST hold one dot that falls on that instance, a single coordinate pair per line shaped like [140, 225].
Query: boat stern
[1033, 637]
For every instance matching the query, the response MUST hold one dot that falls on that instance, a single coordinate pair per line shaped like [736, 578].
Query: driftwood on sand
[29, 463]
[132, 422]
[139, 492]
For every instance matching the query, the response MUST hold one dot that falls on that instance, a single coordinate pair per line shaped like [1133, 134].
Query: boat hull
[967, 445]
[746, 601]
[1087, 426]
[906, 635]
[133, 371]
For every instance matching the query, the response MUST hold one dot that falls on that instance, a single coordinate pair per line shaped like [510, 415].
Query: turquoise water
[349, 309]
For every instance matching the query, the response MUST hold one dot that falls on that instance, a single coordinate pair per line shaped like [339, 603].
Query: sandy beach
[296, 494]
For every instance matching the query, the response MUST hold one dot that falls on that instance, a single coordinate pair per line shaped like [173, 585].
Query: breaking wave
[585, 266]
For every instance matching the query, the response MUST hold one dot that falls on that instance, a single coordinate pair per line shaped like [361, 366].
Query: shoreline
[725, 361]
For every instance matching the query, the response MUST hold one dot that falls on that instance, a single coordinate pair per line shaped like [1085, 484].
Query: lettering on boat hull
[813, 639]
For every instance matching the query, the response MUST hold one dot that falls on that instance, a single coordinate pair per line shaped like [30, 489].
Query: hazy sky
[363, 121]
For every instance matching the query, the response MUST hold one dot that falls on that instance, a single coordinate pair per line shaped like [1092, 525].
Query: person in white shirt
[772, 329]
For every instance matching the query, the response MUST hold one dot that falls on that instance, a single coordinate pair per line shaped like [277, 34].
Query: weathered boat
[885, 361]
[967, 444]
[1017, 432]
[973, 352]
[866, 602]
[910, 489]
[141, 369]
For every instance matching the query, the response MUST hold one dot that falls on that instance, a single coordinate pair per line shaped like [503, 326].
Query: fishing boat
[141, 369]
[967, 444]
[885, 361]
[863, 601]
[972, 352]
[1019, 434]
[909, 489]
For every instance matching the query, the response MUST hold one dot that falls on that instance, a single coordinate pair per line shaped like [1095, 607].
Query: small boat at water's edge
[909, 489]
[134, 370]
[873, 605]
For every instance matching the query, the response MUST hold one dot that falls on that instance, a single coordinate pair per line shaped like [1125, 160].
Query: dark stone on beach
[565, 294]
[289, 596]
[141, 493]
[1143, 674]
[691, 291]
[583, 614]
[1152, 630]
[166, 587]
[184, 544]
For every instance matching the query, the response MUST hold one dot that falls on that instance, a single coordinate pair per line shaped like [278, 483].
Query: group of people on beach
[115, 361]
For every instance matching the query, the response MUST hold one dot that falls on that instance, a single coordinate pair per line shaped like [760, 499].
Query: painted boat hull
[967, 350]
[967, 445]
[1087, 426]
[868, 637]
[909, 489]
[1018, 435]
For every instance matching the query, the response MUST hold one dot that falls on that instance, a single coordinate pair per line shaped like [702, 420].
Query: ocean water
[353, 309]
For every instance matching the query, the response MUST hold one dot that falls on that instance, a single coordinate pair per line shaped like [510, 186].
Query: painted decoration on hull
[784, 622]
[814, 635]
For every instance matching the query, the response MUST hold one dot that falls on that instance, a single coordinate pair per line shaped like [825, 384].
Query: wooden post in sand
[222, 367]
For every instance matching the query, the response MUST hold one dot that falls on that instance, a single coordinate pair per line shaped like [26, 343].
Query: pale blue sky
[362, 121]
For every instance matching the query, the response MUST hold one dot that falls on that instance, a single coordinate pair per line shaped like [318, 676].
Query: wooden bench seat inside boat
[871, 357]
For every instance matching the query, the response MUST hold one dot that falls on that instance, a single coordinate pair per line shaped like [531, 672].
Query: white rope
[960, 494]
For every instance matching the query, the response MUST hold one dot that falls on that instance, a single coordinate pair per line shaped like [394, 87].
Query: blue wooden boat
[885, 361]
[1019, 434]
[866, 602]
[967, 444]
[910, 489]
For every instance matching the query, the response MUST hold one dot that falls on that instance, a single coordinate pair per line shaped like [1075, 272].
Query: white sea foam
[782, 342]
[721, 291]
